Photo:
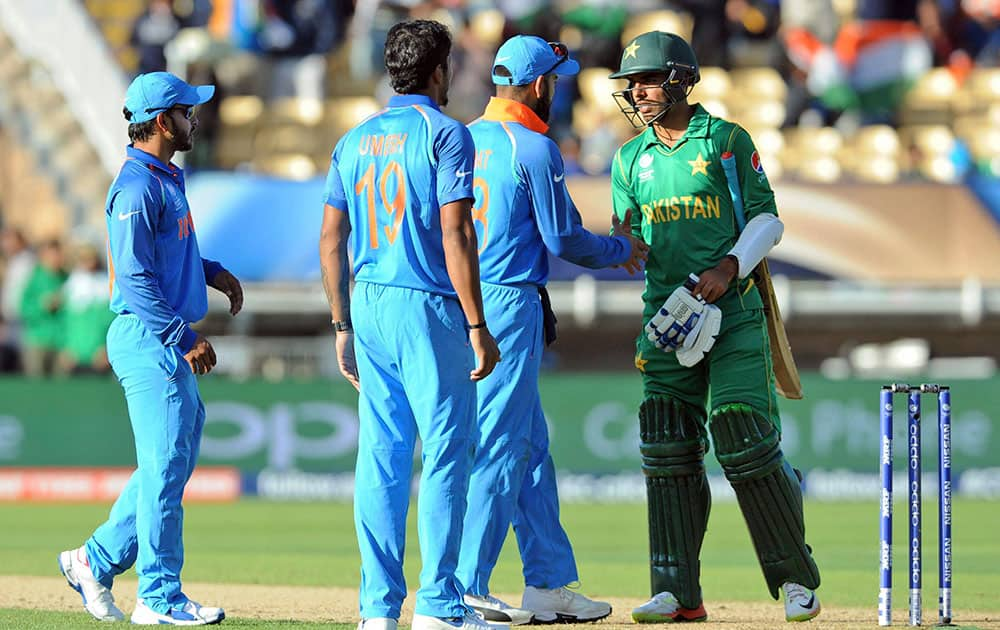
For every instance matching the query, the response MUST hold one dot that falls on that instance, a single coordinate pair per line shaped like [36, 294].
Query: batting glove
[677, 319]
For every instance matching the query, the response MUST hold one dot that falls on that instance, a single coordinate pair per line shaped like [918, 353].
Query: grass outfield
[312, 544]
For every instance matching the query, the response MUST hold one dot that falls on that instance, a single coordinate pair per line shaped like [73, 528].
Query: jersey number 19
[395, 206]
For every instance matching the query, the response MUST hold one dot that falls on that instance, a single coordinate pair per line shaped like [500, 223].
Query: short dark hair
[413, 50]
[140, 132]
[517, 90]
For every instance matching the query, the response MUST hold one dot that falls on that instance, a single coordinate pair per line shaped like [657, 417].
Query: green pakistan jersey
[681, 205]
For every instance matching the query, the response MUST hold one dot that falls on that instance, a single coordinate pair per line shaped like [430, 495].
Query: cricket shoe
[190, 614]
[97, 598]
[471, 621]
[561, 605]
[801, 604]
[664, 608]
[492, 609]
[378, 623]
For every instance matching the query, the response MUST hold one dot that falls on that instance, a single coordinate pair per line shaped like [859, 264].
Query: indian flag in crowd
[870, 65]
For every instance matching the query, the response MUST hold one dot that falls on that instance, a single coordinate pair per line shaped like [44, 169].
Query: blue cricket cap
[155, 92]
[529, 57]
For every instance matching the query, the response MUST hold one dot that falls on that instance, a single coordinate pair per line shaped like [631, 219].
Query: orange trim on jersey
[506, 110]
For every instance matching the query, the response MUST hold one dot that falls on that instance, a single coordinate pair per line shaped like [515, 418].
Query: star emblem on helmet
[630, 50]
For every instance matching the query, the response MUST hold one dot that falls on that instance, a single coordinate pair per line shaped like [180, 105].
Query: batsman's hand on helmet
[685, 323]
[638, 249]
[345, 358]
[487, 353]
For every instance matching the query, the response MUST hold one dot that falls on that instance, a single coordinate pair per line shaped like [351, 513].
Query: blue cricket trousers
[414, 359]
[167, 418]
[513, 480]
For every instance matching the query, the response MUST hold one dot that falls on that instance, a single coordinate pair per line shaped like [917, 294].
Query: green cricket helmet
[661, 52]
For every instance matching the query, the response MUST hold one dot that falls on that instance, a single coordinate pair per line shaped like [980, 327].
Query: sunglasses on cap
[561, 51]
[186, 110]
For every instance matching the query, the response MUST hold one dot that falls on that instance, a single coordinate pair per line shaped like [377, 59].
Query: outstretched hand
[638, 249]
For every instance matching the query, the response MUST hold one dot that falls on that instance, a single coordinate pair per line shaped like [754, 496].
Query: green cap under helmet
[657, 51]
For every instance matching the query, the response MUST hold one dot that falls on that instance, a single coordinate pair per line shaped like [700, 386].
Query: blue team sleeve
[558, 219]
[333, 190]
[456, 157]
[211, 267]
[132, 242]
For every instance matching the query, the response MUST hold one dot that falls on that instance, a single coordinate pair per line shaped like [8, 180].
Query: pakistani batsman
[704, 328]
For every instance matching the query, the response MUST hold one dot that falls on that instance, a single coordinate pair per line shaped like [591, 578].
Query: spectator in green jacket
[86, 315]
[41, 304]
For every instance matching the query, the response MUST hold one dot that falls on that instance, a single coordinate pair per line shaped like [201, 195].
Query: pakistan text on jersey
[381, 145]
[677, 208]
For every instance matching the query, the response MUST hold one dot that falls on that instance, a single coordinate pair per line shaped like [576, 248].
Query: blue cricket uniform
[158, 291]
[523, 211]
[391, 174]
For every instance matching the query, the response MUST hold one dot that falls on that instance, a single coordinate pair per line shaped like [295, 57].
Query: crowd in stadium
[54, 316]
[842, 63]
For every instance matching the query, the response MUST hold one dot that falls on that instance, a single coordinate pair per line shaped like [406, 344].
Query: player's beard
[182, 141]
[544, 105]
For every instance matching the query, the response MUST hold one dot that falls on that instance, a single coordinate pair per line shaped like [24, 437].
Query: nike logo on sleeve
[558, 178]
[461, 174]
[122, 216]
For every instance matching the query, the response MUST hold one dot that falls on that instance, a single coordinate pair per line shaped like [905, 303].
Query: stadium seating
[873, 155]
[115, 18]
[677, 22]
[929, 102]
[946, 115]
[35, 111]
[931, 147]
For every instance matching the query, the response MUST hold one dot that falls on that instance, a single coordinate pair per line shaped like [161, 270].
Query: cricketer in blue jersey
[523, 211]
[158, 290]
[399, 197]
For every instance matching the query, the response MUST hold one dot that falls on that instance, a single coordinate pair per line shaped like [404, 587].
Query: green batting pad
[673, 448]
[767, 488]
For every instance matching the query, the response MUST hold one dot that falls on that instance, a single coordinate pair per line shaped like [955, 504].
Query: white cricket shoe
[664, 608]
[378, 623]
[801, 604]
[191, 614]
[493, 609]
[97, 598]
[561, 605]
[471, 621]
